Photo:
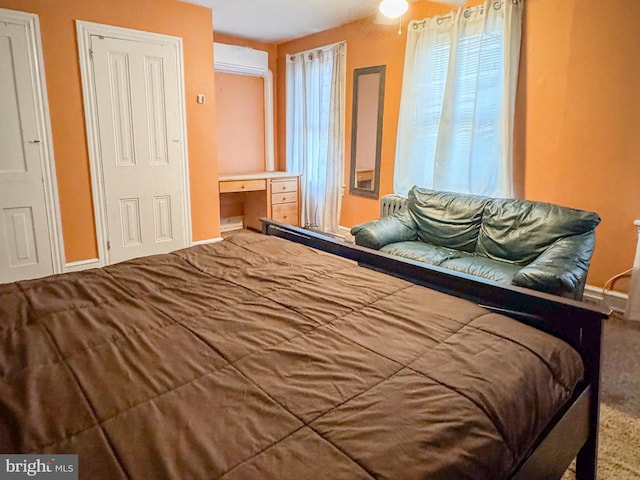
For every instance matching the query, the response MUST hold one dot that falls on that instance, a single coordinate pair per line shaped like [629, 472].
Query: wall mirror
[366, 130]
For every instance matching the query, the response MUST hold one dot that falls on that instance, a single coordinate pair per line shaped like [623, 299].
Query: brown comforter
[260, 358]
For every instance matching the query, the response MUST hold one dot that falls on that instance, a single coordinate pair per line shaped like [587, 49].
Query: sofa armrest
[399, 227]
[562, 268]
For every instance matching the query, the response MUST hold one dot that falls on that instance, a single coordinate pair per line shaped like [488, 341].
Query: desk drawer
[285, 212]
[243, 185]
[282, 186]
[287, 197]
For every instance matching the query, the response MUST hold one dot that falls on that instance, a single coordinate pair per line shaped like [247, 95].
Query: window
[456, 115]
[315, 132]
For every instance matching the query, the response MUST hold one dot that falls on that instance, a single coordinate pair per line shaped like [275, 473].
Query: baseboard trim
[206, 241]
[80, 265]
[615, 300]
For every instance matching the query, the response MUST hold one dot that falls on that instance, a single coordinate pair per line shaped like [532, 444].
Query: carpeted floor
[619, 443]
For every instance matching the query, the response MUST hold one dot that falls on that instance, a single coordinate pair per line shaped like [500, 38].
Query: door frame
[31, 22]
[84, 32]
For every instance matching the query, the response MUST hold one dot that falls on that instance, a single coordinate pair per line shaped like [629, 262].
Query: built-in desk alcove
[249, 188]
[248, 197]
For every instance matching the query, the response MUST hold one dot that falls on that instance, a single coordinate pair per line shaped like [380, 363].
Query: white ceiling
[281, 20]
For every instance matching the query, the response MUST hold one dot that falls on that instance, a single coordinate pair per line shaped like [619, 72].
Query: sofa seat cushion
[454, 260]
[446, 219]
[518, 231]
[422, 252]
[483, 267]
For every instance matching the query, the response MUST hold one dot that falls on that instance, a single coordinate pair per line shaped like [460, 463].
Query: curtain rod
[323, 48]
[439, 18]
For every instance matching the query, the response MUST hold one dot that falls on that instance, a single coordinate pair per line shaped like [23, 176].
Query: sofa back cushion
[446, 219]
[518, 231]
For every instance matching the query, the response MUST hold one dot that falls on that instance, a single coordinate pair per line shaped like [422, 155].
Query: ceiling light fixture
[393, 8]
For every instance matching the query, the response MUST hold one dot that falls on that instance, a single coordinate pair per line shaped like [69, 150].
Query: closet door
[136, 97]
[26, 231]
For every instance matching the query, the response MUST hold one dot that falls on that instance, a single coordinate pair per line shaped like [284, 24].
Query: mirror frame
[353, 186]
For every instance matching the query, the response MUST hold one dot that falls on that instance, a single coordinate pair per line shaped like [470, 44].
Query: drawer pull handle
[242, 186]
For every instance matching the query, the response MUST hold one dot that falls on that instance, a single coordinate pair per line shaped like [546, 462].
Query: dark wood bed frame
[573, 433]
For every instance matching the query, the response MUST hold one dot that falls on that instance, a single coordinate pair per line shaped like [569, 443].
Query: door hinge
[108, 244]
[91, 54]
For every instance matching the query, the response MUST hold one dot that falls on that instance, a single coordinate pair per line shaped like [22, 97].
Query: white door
[139, 129]
[25, 240]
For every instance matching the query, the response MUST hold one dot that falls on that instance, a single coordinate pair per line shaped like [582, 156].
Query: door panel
[139, 128]
[130, 222]
[162, 218]
[13, 154]
[156, 112]
[120, 85]
[25, 248]
[20, 234]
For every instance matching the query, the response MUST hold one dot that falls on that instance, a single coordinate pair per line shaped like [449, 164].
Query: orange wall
[240, 121]
[581, 115]
[57, 24]
[368, 44]
[576, 118]
[577, 112]
[272, 51]
[231, 204]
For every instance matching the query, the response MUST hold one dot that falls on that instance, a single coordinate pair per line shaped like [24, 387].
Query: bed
[260, 357]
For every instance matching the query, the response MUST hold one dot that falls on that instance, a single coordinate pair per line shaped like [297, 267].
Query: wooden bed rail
[577, 323]
[507, 299]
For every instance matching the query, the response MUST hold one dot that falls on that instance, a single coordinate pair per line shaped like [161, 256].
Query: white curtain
[455, 130]
[315, 131]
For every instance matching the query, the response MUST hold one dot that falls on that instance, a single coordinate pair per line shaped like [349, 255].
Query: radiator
[633, 303]
[390, 204]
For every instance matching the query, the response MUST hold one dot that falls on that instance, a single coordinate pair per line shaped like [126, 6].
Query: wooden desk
[364, 178]
[275, 195]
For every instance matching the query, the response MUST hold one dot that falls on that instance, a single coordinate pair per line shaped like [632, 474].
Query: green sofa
[535, 245]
